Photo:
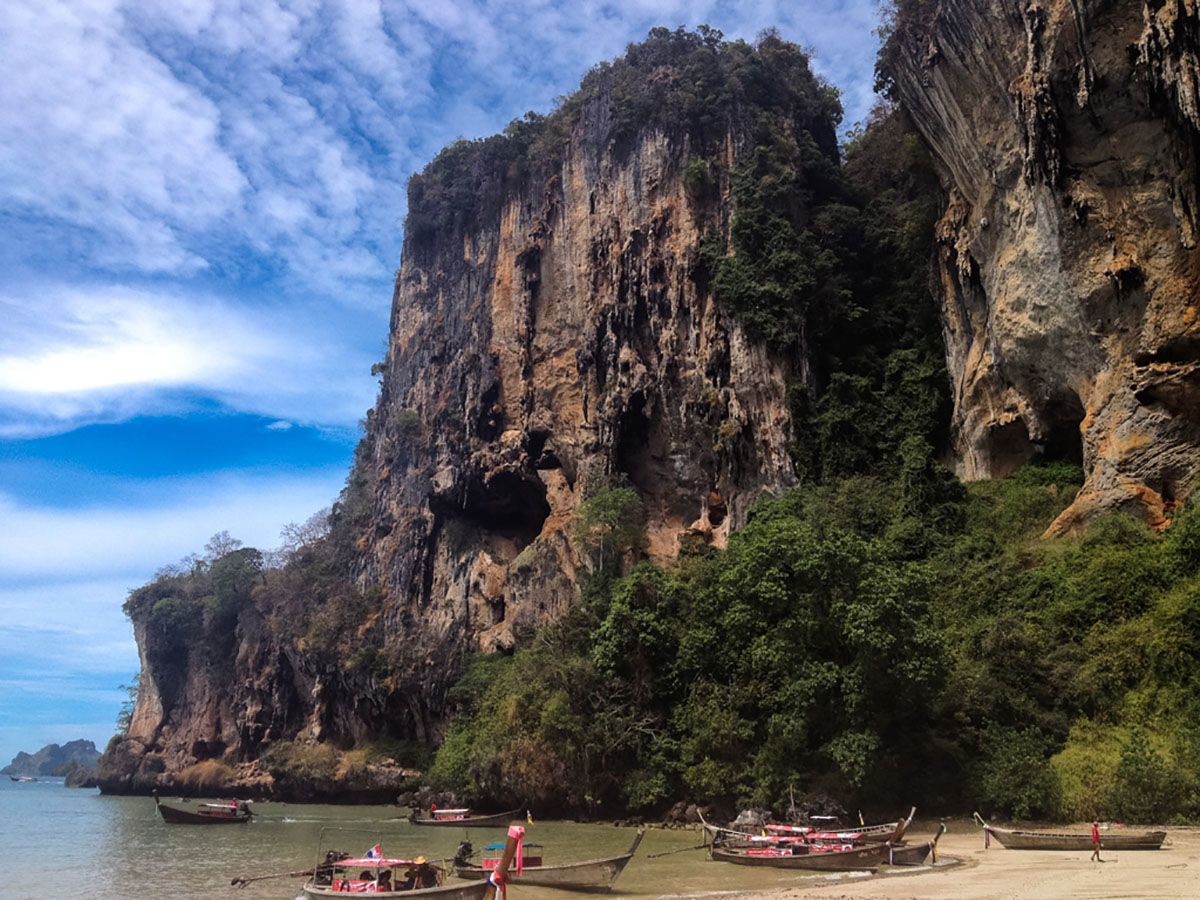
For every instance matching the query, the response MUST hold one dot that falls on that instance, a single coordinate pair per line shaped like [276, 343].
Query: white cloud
[70, 355]
[98, 133]
[57, 546]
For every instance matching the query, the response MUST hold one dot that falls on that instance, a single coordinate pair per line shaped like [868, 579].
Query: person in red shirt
[1096, 842]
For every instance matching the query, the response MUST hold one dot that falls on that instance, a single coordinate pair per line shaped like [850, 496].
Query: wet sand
[999, 874]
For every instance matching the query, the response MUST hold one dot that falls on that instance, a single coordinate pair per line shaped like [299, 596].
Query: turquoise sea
[61, 841]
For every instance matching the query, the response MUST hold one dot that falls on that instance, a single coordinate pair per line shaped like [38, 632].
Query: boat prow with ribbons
[585, 875]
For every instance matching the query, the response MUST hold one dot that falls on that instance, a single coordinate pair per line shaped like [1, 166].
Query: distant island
[76, 760]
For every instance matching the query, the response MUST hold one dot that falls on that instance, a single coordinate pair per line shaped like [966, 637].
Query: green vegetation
[872, 638]
[830, 263]
[609, 521]
[125, 715]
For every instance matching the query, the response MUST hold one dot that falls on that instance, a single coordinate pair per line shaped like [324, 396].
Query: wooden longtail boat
[205, 813]
[466, 820]
[340, 884]
[803, 856]
[588, 875]
[1013, 839]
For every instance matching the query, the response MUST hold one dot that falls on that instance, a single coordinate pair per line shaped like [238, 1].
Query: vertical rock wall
[568, 339]
[1067, 132]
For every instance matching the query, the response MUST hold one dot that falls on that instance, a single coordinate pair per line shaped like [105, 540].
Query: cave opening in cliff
[1009, 448]
[507, 504]
[1063, 441]
[633, 443]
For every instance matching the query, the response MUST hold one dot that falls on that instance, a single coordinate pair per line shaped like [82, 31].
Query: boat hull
[914, 855]
[867, 857]
[593, 875]
[473, 890]
[1040, 840]
[472, 821]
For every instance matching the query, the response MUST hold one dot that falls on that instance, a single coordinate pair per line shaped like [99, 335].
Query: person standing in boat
[1096, 842]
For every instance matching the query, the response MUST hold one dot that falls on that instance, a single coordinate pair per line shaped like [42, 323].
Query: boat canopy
[372, 863]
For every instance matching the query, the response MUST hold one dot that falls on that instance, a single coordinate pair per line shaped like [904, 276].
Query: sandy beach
[999, 874]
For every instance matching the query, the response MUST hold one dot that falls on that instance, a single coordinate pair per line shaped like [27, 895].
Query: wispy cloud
[69, 355]
[100, 542]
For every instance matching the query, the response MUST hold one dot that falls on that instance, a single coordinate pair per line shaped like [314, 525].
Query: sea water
[69, 842]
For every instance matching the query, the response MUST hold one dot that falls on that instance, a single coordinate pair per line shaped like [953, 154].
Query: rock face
[1067, 132]
[566, 337]
[204, 715]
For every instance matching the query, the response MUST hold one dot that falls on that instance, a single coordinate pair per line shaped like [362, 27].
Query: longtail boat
[1014, 839]
[374, 871]
[586, 875]
[804, 856]
[462, 818]
[866, 834]
[231, 813]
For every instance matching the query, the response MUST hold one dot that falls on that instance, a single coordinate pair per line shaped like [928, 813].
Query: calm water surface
[60, 841]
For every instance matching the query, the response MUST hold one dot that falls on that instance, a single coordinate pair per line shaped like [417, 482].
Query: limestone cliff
[565, 334]
[1066, 132]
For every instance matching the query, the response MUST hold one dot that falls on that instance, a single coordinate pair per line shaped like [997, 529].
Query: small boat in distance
[22, 778]
[586, 875]
[462, 818]
[1014, 839]
[233, 812]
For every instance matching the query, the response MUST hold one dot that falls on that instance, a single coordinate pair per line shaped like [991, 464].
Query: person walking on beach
[1096, 842]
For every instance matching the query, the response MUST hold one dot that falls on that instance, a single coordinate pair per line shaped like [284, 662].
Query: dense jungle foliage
[882, 641]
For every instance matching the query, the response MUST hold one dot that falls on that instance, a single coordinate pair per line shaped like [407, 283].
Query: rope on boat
[678, 850]
[241, 880]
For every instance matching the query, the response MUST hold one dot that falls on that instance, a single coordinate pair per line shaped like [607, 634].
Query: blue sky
[202, 214]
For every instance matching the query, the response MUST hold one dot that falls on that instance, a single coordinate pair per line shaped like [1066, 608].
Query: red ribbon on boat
[520, 836]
